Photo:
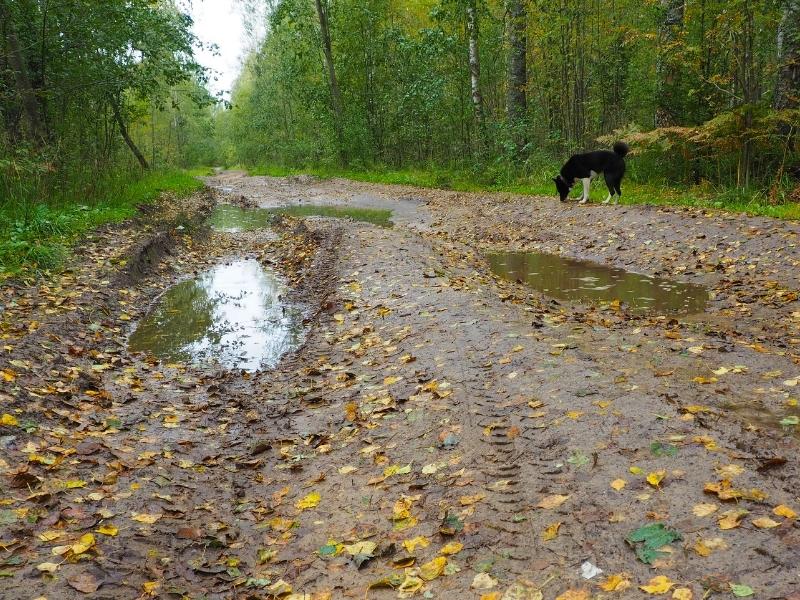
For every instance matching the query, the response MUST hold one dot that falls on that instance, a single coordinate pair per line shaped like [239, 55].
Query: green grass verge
[752, 202]
[36, 236]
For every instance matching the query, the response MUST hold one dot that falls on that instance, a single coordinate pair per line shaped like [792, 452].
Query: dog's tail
[621, 149]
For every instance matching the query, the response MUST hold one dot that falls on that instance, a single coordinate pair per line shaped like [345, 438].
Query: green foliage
[36, 236]
[651, 537]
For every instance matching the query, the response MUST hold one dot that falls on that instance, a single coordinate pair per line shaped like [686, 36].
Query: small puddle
[583, 281]
[229, 218]
[232, 315]
[786, 420]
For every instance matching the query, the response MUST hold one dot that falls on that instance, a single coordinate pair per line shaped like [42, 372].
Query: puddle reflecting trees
[234, 315]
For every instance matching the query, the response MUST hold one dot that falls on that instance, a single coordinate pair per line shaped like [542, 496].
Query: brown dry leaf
[616, 583]
[657, 585]
[84, 582]
[549, 502]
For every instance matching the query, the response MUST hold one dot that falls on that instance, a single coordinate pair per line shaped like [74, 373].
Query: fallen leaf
[107, 529]
[48, 567]
[731, 519]
[618, 484]
[431, 570]
[366, 548]
[84, 582]
[310, 501]
[551, 532]
[469, 500]
[85, 543]
[417, 542]
[347, 469]
[483, 581]
[575, 595]
[522, 591]
[657, 585]
[653, 537]
[145, 518]
[682, 594]
[549, 502]
[740, 590]
[765, 523]
[656, 477]
[703, 509]
[9, 420]
[451, 548]
[784, 511]
[616, 583]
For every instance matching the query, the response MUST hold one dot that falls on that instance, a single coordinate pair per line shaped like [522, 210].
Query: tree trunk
[475, 66]
[787, 91]
[123, 130]
[336, 96]
[671, 26]
[21, 79]
[517, 72]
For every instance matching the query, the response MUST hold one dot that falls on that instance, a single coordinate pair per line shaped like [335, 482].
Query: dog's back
[611, 163]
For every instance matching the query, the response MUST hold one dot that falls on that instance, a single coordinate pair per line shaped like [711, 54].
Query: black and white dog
[588, 166]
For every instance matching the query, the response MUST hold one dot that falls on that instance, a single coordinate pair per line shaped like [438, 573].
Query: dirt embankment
[441, 433]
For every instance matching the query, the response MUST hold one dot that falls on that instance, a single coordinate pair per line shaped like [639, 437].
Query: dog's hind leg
[611, 188]
[586, 181]
[618, 189]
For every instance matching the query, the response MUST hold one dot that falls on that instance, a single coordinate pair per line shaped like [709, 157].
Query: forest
[474, 94]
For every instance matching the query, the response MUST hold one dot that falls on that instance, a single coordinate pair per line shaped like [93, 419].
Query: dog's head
[562, 187]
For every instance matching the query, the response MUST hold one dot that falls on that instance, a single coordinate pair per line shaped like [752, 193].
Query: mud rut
[496, 397]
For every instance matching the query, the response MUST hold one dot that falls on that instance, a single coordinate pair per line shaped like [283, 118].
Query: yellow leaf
[553, 501]
[396, 470]
[75, 483]
[309, 501]
[491, 596]
[575, 595]
[151, 587]
[483, 581]
[765, 523]
[47, 567]
[107, 530]
[351, 411]
[730, 519]
[8, 376]
[682, 594]
[705, 380]
[431, 570]
[703, 509]
[49, 536]
[657, 585]
[347, 469]
[86, 542]
[575, 414]
[616, 583]
[784, 511]
[730, 471]
[618, 484]
[451, 548]
[636, 470]
[416, 542]
[656, 477]
[701, 548]
[468, 500]
[361, 548]
[551, 532]
[145, 518]
[391, 380]
[9, 420]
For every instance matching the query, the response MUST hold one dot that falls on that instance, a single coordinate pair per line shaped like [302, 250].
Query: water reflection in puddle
[232, 315]
[591, 282]
[229, 218]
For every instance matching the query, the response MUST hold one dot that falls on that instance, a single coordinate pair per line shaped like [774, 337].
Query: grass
[751, 202]
[36, 236]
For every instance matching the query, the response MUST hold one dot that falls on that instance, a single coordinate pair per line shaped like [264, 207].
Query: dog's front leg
[586, 181]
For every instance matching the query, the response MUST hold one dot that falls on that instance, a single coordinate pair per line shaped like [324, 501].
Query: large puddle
[229, 218]
[232, 315]
[591, 282]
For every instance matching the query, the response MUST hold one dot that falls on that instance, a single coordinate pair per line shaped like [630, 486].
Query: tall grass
[37, 230]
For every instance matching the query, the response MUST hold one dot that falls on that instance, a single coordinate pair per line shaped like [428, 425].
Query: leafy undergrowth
[36, 237]
[751, 202]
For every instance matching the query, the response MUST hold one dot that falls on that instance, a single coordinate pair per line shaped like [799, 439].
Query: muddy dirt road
[440, 433]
